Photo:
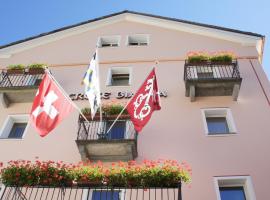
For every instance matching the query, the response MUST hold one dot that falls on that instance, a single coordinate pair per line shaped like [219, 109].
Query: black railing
[24, 80]
[89, 193]
[97, 130]
[211, 71]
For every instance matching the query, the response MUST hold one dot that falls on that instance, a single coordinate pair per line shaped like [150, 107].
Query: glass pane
[120, 79]
[117, 131]
[105, 195]
[217, 125]
[232, 193]
[17, 130]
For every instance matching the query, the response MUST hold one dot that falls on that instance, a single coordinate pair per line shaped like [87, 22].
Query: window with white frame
[99, 194]
[119, 76]
[218, 121]
[138, 40]
[14, 127]
[109, 41]
[234, 187]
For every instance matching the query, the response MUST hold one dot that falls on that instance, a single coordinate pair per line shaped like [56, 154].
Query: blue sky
[21, 19]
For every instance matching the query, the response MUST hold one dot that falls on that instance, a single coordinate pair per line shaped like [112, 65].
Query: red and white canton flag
[49, 108]
[144, 102]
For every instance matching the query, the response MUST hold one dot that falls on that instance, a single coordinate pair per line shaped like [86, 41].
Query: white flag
[91, 82]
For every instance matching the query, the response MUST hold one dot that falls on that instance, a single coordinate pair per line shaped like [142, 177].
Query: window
[218, 121]
[119, 76]
[231, 193]
[109, 41]
[104, 195]
[234, 188]
[217, 125]
[98, 194]
[14, 127]
[138, 40]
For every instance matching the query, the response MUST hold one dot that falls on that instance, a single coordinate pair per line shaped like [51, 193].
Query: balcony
[96, 143]
[18, 88]
[90, 193]
[212, 79]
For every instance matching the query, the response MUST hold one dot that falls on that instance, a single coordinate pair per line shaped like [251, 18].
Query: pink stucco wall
[175, 132]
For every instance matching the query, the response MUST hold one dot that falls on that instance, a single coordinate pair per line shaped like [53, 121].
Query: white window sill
[221, 134]
[11, 139]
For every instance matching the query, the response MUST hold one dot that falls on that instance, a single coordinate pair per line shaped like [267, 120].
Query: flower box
[34, 71]
[15, 71]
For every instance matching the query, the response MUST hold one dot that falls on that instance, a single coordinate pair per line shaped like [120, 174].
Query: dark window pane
[217, 125]
[17, 130]
[118, 130]
[120, 79]
[232, 193]
[105, 195]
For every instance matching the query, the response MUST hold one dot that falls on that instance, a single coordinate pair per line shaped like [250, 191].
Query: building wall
[174, 132]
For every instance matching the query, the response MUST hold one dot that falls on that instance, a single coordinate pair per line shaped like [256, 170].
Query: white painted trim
[220, 112]
[10, 120]
[243, 39]
[234, 181]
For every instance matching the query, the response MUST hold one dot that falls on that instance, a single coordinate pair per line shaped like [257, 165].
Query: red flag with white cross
[144, 102]
[50, 106]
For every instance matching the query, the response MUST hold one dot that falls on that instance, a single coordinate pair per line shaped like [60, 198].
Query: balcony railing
[25, 80]
[90, 193]
[212, 79]
[96, 130]
[95, 142]
[211, 71]
[18, 88]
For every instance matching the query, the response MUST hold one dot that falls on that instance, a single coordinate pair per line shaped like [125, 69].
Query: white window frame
[235, 181]
[117, 37]
[134, 35]
[219, 112]
[109, 77]
[90, 191]
[8, 124]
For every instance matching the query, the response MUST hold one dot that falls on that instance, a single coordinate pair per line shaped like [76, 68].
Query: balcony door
[118, 130]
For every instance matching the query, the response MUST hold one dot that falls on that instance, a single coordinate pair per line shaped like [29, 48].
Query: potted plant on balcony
[222, 58]
[204, 58]
[113, 110]
[198, 57]
[86, 111]
[36, 68]
[15, 69]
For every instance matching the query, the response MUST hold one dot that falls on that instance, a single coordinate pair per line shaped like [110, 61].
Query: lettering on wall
[108, 95]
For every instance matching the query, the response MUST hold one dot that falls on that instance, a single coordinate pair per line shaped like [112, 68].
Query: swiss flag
[144, 102]
[50, 106]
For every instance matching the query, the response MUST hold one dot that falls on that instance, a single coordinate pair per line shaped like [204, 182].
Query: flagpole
[125, 107]
[64, 93]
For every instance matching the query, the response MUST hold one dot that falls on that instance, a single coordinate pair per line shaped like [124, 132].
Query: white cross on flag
[49, 108]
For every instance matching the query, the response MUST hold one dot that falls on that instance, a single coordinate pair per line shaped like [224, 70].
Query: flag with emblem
[144, 102]
[91, 83]
[50, 106]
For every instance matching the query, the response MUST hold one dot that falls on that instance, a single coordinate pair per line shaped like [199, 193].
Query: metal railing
[211, 71]
[24, 80]
[90, 193]
[97, 130]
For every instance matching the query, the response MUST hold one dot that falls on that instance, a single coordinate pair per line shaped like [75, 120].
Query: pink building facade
[223, 136]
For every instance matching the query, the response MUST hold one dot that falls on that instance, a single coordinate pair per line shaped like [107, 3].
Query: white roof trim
[243, 39]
